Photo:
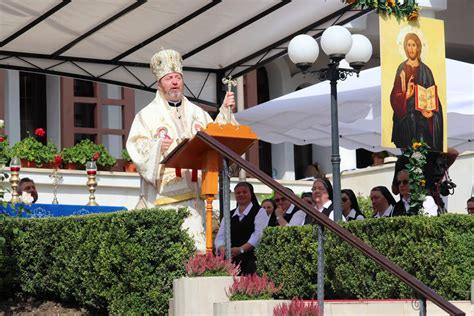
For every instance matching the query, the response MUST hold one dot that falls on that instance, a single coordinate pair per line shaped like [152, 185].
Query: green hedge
[125, 262]
[122, 263]
[439, 251]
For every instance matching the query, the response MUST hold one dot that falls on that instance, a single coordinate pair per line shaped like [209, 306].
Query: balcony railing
[419, 287]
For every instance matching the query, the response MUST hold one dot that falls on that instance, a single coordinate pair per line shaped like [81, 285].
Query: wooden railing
[418, 286]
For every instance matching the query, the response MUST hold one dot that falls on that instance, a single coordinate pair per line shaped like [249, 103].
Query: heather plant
[297, 307]
[252, 287]
[210, 265]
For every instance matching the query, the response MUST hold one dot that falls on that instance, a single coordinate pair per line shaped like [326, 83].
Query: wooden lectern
[195, 154]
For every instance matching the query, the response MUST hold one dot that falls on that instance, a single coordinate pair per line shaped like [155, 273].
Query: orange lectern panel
[192, 153]
[195, 154]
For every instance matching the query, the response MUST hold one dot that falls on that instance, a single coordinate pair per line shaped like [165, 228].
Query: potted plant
[86, 150]
[34, 153]
[128, 166]
[207, 277]
[251, 295]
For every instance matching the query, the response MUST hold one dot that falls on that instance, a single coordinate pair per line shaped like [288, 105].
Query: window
[84, 114]
[88, 113]
[32, 103]
[265, 157]
[83, 88]
[303, 156]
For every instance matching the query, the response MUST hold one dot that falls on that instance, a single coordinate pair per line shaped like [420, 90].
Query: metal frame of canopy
[31, 21]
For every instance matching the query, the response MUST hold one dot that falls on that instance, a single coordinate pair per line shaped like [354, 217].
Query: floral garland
[408, 9]
[416, 154]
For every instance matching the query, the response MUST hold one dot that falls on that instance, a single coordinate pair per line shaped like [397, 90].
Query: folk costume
[159, 120]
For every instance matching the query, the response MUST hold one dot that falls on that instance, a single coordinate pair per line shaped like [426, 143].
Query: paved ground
[35, 307]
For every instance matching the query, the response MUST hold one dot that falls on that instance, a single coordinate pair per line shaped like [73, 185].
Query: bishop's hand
[229, 101]
[165, 144]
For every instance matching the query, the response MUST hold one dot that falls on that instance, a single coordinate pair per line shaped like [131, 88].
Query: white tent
[303, 117]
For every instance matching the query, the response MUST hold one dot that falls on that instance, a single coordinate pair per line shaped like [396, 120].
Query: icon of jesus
[415, 115]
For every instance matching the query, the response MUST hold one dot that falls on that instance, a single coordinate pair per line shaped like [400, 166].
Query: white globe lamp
[303, 51]
[336, 42]
[360, 52]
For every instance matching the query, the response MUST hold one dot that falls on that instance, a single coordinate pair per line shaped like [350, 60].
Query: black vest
[240, 231]
[328, 211]
[288, 216]
[399, 208]
[400, 211]
[272, 221]
[357, 213]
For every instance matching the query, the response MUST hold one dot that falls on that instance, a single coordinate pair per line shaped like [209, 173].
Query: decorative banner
[413, 70]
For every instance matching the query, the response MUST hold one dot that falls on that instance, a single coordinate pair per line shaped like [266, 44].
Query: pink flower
[252, 287]
[210, 265]
[297, 307]
[40, 132]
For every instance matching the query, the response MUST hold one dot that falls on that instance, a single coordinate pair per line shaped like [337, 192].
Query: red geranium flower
[96, 156]
[57, 160]
[2, 139]
[40, 132]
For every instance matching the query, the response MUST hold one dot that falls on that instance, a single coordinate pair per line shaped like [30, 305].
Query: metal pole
[226, 194]
[219, 99]
[422, 306]
[335, 158]
[221, 196]
[321, 268]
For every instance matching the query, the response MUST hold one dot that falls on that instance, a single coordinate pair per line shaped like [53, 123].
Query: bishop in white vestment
[156, 130]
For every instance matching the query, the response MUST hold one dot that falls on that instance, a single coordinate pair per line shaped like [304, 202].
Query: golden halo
[401, 37]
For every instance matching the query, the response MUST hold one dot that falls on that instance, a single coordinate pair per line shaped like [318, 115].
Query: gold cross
[229, 82]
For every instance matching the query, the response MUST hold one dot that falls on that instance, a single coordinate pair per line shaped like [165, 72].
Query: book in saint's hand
[426, 99]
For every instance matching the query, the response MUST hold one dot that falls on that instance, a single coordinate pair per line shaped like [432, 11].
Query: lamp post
[337, 42]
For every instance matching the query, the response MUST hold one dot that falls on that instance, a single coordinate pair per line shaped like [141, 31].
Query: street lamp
[338, 43]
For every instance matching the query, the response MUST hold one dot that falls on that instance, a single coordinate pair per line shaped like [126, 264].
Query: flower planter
[27, 163]
[47, 165]
[73, 166]
[31, 164]
[237, 308]
[196, 296]
[129, 167]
